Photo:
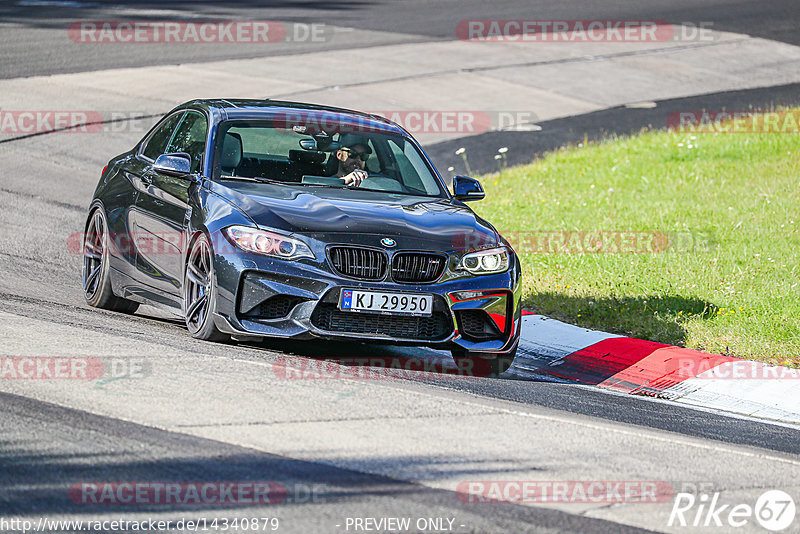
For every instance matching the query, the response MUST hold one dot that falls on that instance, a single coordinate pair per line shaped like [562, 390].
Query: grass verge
[697, 233]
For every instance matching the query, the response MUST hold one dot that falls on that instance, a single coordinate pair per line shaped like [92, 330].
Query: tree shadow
[656, 318]
[523, 147]
[93, 473]
[33, 15]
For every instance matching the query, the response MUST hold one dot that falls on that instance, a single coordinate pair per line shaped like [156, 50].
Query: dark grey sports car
[276, 219]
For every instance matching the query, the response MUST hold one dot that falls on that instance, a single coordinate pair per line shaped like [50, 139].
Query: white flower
[460, 151]
[503, 150]
[450, 169]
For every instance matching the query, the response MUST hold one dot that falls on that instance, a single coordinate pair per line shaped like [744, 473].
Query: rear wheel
[96, 280]
[200, 292]
[473, 362]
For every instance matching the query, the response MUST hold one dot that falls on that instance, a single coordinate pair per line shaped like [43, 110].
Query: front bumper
[479, 314]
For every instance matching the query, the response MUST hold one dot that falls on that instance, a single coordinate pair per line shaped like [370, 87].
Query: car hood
[361, 217]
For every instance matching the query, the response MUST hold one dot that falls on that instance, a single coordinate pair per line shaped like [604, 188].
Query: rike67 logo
[774, 510]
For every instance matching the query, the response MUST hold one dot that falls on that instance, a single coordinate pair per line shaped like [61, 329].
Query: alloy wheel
[93, 248]
[197, 288]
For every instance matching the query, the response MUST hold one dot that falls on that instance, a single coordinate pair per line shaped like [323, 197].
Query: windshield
[304, 155]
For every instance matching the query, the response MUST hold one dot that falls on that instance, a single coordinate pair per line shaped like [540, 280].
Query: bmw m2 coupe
[257, 219]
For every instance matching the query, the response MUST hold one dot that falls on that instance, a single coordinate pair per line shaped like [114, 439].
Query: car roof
[230, 108]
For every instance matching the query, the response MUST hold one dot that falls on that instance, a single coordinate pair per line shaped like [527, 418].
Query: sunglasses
[364, 156]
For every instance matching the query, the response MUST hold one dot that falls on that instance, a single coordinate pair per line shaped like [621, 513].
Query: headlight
[267, 243]
[491, 261]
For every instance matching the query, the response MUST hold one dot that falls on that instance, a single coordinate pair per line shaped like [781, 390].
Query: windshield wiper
[410, 193]
[247, 179]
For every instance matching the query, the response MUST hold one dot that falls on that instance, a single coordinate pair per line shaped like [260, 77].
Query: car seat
[231, 155]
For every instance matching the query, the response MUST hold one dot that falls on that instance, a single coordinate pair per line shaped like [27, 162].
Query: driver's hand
[355, 178]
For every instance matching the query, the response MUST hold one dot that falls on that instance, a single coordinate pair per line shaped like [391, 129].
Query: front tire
[96, 280]
[482, 366]
[200, 292]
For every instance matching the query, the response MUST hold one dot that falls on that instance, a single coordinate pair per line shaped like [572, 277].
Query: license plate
[374, 301]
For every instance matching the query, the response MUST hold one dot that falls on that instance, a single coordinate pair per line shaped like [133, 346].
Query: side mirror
[175, 164]
[466, 189]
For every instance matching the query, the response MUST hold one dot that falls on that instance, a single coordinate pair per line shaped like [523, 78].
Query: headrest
[231, 151]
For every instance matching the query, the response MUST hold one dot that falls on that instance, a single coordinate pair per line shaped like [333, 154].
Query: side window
[157, 144]
[411, 165]
[409, 174]
[373, 163]
[191, 138]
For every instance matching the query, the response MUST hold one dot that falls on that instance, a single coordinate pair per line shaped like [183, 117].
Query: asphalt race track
[343, 449]
[30, 37]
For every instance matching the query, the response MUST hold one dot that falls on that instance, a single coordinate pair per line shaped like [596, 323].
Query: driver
[352, 157]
